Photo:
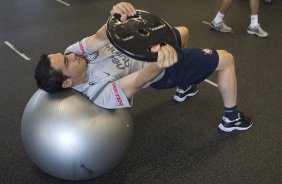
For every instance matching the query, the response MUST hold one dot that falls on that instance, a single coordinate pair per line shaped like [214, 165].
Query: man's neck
[81, 79]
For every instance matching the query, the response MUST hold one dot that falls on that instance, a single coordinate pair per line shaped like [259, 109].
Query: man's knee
[184, 34]
[229, 58]
[184, 31]
[226, 59]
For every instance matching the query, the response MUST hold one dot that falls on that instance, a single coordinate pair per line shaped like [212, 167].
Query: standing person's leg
[225, 6]
[254, 27]
[254, 7]
[227, 84]
[217, 22]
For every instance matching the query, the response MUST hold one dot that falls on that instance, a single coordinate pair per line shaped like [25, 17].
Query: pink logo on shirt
[120, 103]
[82, 48]
[89, 57]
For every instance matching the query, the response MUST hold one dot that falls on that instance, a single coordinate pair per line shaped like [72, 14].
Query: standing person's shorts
[193, 66]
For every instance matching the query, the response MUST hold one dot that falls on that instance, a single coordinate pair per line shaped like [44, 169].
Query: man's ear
[67, 83]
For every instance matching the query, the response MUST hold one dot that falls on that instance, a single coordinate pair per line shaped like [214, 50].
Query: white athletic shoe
[257, 31]
[222, 27]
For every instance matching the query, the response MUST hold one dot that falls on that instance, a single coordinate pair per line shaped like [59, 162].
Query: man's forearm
[134, 82]
[147, 74]
[97, 41]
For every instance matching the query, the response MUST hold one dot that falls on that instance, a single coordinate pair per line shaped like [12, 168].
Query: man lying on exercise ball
[110, 79]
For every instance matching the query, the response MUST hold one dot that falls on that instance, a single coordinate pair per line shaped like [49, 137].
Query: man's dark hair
[47, 78]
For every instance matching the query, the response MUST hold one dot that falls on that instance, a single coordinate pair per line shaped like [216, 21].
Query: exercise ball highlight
[69, 137]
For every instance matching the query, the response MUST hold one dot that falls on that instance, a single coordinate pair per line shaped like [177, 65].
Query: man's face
[71, 65]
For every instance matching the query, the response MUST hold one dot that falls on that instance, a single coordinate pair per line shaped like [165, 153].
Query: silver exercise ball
[69, 137]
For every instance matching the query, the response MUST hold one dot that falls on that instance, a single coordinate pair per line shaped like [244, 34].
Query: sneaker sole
[221, 127]
[178, 99]
[254, 33]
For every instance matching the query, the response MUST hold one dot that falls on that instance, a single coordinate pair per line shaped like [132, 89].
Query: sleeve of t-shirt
[79, 48]
[111, 96]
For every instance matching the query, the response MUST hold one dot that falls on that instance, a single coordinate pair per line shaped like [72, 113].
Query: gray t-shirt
[105, 68]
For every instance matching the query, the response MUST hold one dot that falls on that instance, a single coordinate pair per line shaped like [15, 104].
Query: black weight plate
[137, 34]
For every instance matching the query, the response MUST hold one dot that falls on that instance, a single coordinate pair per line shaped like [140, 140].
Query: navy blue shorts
[193, 66]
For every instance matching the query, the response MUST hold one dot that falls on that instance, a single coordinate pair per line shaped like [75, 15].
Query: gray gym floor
[173, 143]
